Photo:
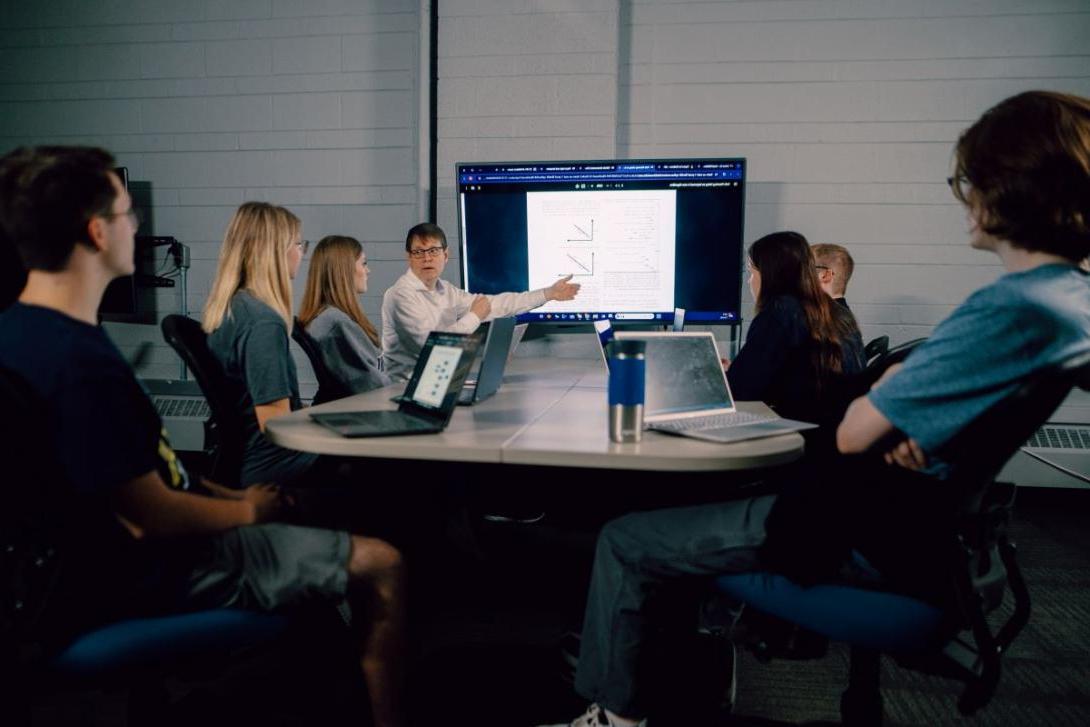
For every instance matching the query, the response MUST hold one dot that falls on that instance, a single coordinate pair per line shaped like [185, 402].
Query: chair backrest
[877, 366]
[981, 449]
[224, 441]
[329, 386]
[876, 347]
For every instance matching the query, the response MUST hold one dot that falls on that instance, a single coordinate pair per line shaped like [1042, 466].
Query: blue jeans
[637, 557]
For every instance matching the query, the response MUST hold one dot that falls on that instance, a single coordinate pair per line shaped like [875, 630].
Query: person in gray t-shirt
[331, 314]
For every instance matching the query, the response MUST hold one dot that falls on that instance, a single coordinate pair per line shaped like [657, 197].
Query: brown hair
[331, 282]
[1027, 162]
[786, 265]
[425, 231]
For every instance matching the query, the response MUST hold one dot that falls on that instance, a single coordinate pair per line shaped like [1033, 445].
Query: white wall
[847, 111]
[310, 104]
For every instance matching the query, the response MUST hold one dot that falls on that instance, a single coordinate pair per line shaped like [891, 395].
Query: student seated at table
[419, 302]
[835, 267]
[142, 544]
[1023, 173]
[801, 349]
[248, 319]
[332, 316]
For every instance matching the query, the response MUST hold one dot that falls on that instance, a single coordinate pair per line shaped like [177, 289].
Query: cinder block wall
[312, 104]
[847, 111]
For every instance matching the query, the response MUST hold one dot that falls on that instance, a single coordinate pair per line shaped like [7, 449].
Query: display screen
[642, 237]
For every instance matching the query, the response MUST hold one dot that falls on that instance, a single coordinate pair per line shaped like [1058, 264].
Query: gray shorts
[265, 567]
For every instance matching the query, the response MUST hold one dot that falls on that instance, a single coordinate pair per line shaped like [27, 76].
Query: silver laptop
[493, 358]
[603, 329]
[686, 392]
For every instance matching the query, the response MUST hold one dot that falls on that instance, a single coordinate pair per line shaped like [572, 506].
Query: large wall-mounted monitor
[642, 236]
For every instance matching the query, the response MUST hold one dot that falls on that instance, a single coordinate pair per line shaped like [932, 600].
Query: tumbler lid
[624, 348]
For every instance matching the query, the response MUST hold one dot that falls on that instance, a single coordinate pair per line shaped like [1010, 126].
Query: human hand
[481, 306]
[907, 454]
[886, 374]
[725, 363]
[562, 289]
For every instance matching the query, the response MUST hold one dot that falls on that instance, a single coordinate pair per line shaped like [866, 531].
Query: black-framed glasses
[423, 252]
[303, 246]
[959, 184]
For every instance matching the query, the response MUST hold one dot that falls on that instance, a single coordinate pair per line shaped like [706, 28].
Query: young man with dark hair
[72, 223]
[419, 302]
[1023, 174]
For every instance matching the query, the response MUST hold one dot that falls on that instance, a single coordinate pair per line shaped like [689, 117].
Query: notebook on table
[429, 399]
[494, 356]
[686, 392]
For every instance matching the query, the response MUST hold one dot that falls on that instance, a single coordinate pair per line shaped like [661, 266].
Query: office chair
[956, 641]
[876, 347]
[223, 431]
[877, 366]
[330, 387]
[44, 570]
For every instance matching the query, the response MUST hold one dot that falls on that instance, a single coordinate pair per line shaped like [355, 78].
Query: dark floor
[488, 626]
[500, 665]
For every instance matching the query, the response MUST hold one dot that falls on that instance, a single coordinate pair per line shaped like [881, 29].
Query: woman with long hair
[802, 347]
[331, 314]
[248, 319]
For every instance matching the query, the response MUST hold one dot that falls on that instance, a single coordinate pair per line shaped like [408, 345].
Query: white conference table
[547, 413]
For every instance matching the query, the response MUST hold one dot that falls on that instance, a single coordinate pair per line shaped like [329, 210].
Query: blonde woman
[331, 314]
[247, 318]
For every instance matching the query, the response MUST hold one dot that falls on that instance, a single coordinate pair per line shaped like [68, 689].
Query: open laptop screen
[440, 371]
[684, 374]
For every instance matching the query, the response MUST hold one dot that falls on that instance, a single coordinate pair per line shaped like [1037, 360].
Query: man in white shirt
[419, 302]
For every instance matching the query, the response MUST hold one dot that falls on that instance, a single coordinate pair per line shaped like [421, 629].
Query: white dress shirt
[410, 312]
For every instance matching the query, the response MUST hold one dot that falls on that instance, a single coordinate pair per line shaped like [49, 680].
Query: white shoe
[595, 716]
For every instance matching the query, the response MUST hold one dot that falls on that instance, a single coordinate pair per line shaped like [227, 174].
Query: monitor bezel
[662, 318]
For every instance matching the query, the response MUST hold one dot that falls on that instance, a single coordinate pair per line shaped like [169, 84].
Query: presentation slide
[619, 246]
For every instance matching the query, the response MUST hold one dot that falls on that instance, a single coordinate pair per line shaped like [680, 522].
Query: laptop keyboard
[179, 407]
[713, 421]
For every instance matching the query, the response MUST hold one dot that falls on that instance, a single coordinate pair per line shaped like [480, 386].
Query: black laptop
[429, 399]
[494, 355]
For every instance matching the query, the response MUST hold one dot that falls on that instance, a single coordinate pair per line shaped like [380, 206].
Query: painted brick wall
[312, 104]
[847, 111]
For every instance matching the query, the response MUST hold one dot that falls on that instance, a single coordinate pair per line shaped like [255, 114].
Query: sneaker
[595, 716]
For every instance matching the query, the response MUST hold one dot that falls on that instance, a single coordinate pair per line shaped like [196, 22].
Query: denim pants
[637, 557]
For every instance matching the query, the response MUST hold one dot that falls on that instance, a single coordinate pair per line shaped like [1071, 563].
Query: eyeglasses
[959, 184]
[303, 246]
[134, 215]
[423, 252]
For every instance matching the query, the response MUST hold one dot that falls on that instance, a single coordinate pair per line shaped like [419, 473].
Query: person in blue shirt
[1023, 173]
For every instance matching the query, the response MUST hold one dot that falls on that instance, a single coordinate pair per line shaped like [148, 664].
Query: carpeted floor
[500, 668]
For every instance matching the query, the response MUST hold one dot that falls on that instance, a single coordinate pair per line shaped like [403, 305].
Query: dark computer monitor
[642, 236]
[124, 300]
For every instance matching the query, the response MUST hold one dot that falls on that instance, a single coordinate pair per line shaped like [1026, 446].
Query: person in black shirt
[802, 349]
[835, 267]
[72, 224]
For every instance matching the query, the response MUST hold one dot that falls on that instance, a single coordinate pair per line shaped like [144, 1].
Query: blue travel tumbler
[627, 369]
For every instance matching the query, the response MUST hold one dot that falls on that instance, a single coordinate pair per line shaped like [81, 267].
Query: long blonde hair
[254, 258]
[331, 282]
